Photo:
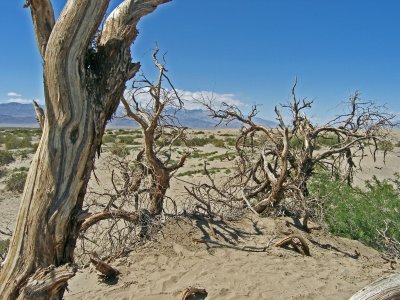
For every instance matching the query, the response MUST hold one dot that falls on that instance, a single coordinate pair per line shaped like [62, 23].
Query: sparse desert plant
[3, 173]
[119, 150]
[109, 138]
[16, 142]
[127, 139]
[16, 181]
[6, 157]
[3, 248]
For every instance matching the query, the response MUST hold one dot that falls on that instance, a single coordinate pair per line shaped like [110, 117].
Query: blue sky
[246, 51]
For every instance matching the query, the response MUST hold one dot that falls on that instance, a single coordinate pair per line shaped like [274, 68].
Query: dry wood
[114, 214]
[84, 79]
[290, 240]
[274, 165]
[193, 293]
[39, 114]
[105, 269]
[386, 288]
[47, 281]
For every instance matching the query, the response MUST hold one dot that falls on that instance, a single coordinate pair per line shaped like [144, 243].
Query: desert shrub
[16, 182]
[296, 142]
[200, 171]
[34, 147]
[221, 157]
[6, 158]
[386, 146]
[202, 141]
[218, 143]
[200, 154]
[230, 141]
[327, 140]
[3, 247]
[3, 173]
[127, 139]
[109, 138]
[197, 142]
[15, 142]
[357, 214]
[119, 150]
[24, 153]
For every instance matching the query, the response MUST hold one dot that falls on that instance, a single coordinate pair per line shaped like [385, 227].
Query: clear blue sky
[252, 49]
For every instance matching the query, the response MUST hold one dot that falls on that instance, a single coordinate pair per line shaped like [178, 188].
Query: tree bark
[81, 95]
[386, 288]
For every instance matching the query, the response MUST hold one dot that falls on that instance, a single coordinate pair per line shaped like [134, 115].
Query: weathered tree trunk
[82, 91]
[386, 288]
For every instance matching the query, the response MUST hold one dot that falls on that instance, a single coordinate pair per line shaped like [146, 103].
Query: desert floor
[216, 256]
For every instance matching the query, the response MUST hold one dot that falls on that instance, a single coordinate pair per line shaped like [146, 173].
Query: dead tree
[386, 288]
[155, 116]
[85, 67]
[139, 184]
[276, 163]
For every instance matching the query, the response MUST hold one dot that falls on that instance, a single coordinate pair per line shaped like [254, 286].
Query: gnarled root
[47, 283]
[301, 247]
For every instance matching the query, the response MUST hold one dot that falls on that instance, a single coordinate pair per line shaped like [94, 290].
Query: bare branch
[39, 114]
[121, 23]
[43, 22]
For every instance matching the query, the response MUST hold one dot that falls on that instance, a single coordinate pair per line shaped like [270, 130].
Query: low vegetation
[371, 215]
[6, 157]
[16, 181]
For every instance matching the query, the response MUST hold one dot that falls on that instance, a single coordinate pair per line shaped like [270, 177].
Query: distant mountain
[17, 115]
[23, 115]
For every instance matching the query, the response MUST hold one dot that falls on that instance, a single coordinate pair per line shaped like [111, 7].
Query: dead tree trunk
[386, 288]
[83, 86]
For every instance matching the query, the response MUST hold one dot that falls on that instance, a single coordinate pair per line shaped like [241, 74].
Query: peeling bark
[80, 98]
[386, 288]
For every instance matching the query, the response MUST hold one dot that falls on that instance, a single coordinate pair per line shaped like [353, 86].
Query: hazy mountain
[23, 115]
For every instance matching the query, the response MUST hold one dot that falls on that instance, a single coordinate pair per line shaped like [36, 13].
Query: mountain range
[23, 115]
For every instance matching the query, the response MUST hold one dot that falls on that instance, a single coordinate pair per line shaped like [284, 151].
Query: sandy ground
[173, 262]
[186, 254]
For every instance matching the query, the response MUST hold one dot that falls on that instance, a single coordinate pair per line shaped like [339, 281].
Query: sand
[174, 261]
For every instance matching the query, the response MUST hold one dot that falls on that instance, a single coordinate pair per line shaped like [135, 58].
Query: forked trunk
[82, 91]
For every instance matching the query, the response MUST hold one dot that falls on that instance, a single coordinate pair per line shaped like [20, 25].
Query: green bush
[15, 142]
[202, 141]
[4, 246]
[296, 142]
[6, 158]
[385, 146]
[218, 143]
[200, 171]
[127, 139]
[119, 150]
[109, 138]
[358, 214]
[3, 172]
[16, 182]
[230, 141]
[200, 154]
[327, 140]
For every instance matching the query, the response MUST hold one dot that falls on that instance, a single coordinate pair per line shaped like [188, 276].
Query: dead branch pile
[274, 165]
